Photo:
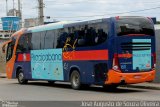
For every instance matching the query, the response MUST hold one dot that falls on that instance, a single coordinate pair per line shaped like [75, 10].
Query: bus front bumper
[115, 77]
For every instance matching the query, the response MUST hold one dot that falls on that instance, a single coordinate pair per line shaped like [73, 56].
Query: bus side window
[101, 36]
[92, 34]
[36, 41]
[61, 38]
[72, 35]
[42, 39]
[22, 44]
[29, 38]
[49, 40]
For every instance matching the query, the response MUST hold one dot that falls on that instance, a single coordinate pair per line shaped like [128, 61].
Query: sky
[74, 10]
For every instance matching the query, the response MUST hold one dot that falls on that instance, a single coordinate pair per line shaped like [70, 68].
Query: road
[42, 91]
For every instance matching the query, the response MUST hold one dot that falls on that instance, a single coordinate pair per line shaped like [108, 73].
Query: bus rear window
[134, 25]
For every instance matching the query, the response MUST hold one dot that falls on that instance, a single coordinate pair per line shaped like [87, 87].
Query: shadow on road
[63, 85]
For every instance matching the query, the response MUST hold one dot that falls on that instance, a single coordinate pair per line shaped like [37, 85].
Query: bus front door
[10, 60]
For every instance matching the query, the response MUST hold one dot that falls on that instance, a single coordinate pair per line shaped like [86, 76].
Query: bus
[107, 52]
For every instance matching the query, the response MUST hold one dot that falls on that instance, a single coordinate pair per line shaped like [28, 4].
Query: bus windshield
[134, 25]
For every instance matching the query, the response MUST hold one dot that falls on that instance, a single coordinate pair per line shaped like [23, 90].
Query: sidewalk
[146, 85]
[2, 75]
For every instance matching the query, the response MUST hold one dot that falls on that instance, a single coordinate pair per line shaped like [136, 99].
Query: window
[96, 33]
[6, 35]
[28, 40]
[22, 44]
[134, 25]
[61, 38]
[10, 50]
[36, 41]
[88, 35]
[42, 38]
[83, 35]
[49, 40]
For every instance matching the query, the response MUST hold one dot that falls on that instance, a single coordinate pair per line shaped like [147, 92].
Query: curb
[143, 86]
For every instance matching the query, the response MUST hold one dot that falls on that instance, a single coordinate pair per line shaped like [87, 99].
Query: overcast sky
[86, 9]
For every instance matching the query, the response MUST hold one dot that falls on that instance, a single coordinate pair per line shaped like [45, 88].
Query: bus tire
[75, 80]
[20, 77]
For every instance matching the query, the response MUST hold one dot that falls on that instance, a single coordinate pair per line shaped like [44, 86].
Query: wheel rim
[21, 77]
[76, 80]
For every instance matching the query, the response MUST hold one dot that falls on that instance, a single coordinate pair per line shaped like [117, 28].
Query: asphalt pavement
[42, 91]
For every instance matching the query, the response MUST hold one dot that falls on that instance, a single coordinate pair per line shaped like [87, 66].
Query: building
[31, 22]
[5, 35]
[13, 12]
[8, 25]
[157, 31]
[157, 26]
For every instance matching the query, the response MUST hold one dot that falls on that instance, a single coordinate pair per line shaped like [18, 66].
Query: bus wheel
[111, 87]
[21, 78]
[75, 80]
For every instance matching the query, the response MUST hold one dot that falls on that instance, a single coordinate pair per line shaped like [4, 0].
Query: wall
[157, 79]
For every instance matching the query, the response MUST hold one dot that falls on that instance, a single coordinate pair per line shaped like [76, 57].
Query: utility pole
[6, 7]
[20, 13]
[19, 9]
[13, 9]
[40, 13]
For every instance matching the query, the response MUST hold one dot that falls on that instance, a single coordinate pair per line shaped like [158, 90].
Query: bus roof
[47, 27]
[60, 25]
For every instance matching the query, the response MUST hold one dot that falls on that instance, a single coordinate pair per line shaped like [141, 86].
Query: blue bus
[107, 52]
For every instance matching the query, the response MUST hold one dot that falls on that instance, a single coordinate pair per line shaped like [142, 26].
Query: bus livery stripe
[85, 55]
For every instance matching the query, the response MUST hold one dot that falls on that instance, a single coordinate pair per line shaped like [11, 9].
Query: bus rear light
[116, 66]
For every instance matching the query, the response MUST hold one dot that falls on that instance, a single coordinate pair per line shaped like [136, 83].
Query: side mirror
[81, 42]
[4, 46]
